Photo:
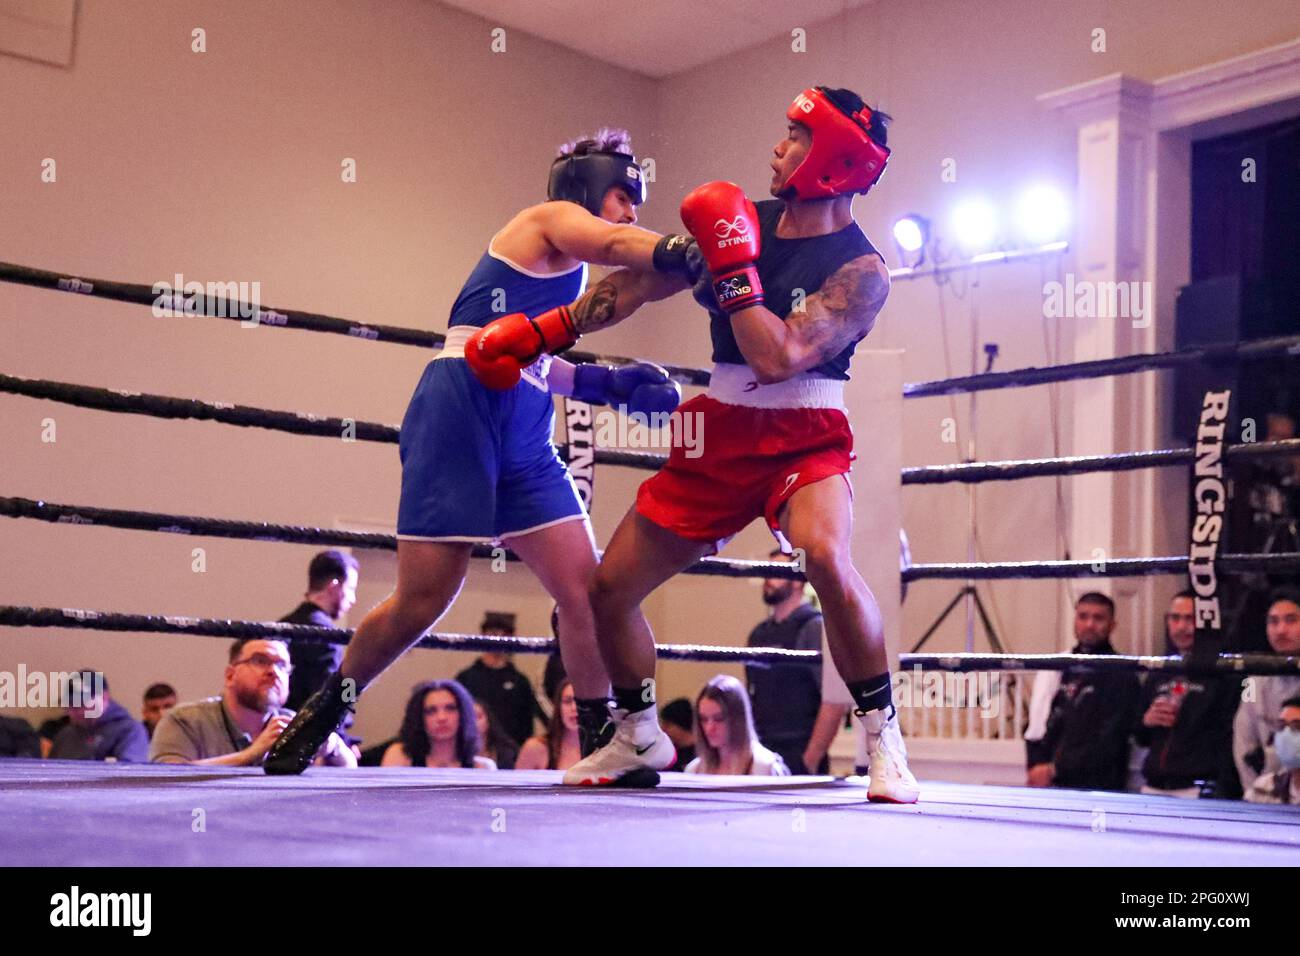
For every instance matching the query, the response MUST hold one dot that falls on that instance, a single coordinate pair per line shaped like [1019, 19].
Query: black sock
[594, 725]
[634, 699]
[874, 693]
[592, 712]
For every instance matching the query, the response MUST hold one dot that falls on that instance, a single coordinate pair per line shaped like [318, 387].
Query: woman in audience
[724, 734]
[557, 749]
[438, 730]
[493, 741]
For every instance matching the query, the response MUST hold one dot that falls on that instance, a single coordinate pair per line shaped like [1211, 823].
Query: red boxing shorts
[753, 446]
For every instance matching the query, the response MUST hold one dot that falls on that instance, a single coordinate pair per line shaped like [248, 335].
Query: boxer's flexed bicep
[838, 314]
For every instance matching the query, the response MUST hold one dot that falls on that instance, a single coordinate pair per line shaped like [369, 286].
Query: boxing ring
[103, 815]
[68, 813]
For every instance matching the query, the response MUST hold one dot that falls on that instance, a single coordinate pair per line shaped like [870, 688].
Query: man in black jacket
[786, 698]
[495, 682]
[331, 592]
[1186, 720]
[1086, 742]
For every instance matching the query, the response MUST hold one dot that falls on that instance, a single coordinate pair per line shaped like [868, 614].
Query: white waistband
[737, 385]
[454, 347]
[457, 336]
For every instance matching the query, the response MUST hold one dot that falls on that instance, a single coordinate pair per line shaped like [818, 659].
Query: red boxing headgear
[843, 158]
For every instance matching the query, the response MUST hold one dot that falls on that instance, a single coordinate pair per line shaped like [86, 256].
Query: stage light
[974, 224]
[1042, 214]
[911, 233]
[911, 236]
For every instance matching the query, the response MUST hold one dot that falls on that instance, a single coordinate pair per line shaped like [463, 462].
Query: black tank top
[788, 264]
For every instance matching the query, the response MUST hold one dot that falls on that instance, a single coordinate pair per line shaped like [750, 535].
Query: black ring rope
[221, 307]
[298, 423]
[22, 616]
[161, 406]
[1242, 664]
[1239, 664]
[1225, 354]
[11, 507]
[1275, 563]
[979, 471]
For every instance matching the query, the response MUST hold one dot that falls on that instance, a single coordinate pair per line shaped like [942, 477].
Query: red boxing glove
[502, 349]
[725, 224]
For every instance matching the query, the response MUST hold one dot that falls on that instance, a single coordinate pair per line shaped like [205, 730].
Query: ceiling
[660, 37]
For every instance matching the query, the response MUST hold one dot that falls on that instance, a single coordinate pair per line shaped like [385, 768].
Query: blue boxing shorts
[479, 464]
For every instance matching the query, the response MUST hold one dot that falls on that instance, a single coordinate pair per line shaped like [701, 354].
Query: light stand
[968, 592]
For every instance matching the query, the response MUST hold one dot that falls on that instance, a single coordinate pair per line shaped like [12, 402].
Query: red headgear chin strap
[843, 158]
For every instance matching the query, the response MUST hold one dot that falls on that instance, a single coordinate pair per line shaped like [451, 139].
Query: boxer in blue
[479, 464]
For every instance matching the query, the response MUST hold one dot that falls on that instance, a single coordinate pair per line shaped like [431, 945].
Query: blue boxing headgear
[585, 179]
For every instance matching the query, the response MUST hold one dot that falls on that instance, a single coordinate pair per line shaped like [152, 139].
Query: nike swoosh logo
[642, 751]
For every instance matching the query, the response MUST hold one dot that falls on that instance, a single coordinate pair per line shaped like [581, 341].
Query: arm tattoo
[596, 308]
[843, 310]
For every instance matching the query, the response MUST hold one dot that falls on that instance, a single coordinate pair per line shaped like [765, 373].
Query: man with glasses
[237, 728]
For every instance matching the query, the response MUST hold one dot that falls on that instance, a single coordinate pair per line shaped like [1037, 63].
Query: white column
[1112, 513]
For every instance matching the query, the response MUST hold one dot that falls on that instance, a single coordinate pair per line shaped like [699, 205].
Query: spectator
[99, 728]
[678, 721]
[558, 748]
[1085, 744]
[494, 680]
[494, 744]
[48, 730]
[331, 592]
[438, 730]
[17, 739]
[1282, 785]
[158, 699]
[786, 698]
[1262, 697]
[725, 737]
[554, 673]
[237, 728]
[837, 704]
[1185, 721]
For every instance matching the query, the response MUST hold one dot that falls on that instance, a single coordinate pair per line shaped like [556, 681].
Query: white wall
[226, 165]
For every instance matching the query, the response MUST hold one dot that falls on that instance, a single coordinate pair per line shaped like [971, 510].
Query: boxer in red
[793, 286]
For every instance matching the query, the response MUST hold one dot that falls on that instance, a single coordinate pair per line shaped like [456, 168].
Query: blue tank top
[495, 289]
[788, 264]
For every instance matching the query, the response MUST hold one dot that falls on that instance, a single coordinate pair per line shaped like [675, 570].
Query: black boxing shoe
[321, 715]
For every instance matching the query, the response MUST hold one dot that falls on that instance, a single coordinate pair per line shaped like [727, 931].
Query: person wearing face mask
[1261, 697]
[1282, 785]
[1186, 721]
[1085, 744]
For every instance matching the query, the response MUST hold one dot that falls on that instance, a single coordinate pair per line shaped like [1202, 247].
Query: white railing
[942, 705]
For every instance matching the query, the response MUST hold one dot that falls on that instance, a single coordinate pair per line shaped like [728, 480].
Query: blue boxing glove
[639, 387]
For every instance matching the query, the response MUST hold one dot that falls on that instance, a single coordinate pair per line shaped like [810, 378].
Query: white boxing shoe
[638, 749]
[891, 781]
